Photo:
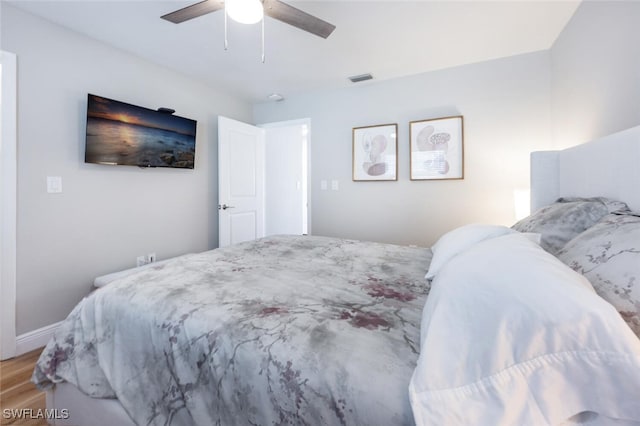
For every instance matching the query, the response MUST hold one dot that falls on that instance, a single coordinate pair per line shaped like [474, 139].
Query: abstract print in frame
[437, 148]
[375, 153]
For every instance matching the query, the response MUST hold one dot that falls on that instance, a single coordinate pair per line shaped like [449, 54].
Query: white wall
[106, 215]
[505, 104]
[595, 65]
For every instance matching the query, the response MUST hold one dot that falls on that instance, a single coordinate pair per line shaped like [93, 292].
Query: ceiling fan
[252, 11]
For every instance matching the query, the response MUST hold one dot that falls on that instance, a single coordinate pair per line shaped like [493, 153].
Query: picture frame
[437, 148]
[375, 153]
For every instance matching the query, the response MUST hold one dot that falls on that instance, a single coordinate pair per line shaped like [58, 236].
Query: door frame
[307, 122]
[8, 200]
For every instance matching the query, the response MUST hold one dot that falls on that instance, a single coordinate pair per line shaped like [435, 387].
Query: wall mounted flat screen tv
[122, 134]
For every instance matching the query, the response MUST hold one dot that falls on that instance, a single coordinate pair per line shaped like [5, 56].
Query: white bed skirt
[84, 410]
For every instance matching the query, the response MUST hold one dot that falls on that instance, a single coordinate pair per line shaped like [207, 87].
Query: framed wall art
[375, 153]
[437, 148]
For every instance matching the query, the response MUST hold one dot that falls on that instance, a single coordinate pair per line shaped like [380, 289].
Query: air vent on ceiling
[361, 77]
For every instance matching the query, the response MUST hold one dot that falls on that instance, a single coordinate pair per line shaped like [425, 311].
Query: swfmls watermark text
[38, 414]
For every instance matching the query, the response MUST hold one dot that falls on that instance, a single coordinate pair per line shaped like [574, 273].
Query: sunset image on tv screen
[120, 133]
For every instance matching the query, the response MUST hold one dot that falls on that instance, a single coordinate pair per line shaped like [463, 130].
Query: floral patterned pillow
[566, 218]
[608, 254]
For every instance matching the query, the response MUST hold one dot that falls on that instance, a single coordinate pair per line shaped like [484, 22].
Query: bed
[314, 330]
[292, 321]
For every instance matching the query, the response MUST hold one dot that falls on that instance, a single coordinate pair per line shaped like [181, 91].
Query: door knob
[224, 207]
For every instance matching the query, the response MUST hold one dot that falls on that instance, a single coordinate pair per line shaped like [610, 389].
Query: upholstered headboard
[608, 167]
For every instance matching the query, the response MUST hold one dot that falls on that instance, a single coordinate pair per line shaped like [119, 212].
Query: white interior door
[241, 159]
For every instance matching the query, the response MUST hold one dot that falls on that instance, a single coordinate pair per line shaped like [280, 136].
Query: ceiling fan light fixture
[244, 11]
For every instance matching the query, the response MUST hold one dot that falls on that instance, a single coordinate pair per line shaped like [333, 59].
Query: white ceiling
[385, 38]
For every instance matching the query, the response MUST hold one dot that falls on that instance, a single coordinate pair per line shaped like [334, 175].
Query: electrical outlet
[151, 257]
[141, 260]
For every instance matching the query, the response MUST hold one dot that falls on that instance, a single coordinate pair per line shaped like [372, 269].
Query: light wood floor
[17, 391]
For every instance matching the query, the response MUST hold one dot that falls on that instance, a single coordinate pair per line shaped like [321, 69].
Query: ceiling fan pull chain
[263, 39]
[226, 42]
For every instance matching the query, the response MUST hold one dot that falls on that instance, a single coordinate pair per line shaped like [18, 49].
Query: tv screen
[120, 133]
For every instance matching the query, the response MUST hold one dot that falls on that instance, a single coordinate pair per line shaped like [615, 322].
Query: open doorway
[287, 177]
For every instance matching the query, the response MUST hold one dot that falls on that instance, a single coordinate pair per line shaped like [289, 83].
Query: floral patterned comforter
[283, 330]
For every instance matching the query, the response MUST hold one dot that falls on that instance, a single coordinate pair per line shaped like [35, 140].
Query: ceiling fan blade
[193, 11]
[296, 17]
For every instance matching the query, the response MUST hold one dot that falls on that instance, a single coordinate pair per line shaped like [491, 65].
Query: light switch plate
[334, 185]
[323, 185]
[54, 184]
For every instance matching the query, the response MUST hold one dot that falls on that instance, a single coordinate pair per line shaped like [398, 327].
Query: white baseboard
[35, 339]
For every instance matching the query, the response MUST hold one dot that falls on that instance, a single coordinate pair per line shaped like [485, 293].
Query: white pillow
[459, 240]
[510, 335]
